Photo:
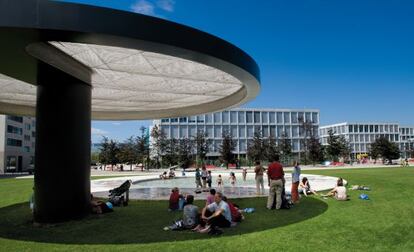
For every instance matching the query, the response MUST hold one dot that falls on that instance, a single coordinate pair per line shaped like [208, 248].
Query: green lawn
[384, 223]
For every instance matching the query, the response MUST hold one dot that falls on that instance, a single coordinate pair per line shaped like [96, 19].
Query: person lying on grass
[215, 215]
[339, 192]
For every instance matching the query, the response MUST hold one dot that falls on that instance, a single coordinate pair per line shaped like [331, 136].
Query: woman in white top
[339, 192]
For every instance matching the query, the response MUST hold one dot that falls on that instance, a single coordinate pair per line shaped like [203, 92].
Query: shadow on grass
[143, 222]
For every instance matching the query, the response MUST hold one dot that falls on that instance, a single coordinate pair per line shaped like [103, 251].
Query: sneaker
[205, 230]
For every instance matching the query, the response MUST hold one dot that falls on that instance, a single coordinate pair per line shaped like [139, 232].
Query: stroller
[119, 196]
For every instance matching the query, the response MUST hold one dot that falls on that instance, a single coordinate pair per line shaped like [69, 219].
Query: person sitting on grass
[236, 214]
[339, 192]
[191, 215]
[100, 207]
[173, 203]
[215, 215]
[306, 188]
[210, 197]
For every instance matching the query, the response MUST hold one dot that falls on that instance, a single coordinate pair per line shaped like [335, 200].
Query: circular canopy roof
[139, 67]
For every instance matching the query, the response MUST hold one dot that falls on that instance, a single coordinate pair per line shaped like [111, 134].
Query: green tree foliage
[127, 152]
[185, 156]
[307, 133]
[337, 147]
[315, 150]
[271, 150]
[382, 147]
[142, 147]
[159, 144]
[171, 154]
[256, 148]
[202, 145]
[228, 145]
[285, 147]
[108, 152]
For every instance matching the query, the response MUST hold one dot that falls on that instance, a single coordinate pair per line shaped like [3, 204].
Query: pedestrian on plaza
[295, 182]
[244, 173]
[259, 170]
[198, 178]
[209, 179]
[276, 182]
[204, 175]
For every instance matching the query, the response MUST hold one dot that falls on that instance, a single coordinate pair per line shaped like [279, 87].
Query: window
[381, 128]
[286, 117]
[361, 128]
[165, 120]
[26, 148]
[192, 119]
[166, 131]
[233, 117]
[265, 131]
[294, 117]
[242, 131]
[315, 117]
[183, 132]
[217, 131]
[233, 131]
[200, 119]
[16, 118]
[386, 128]
[256, 117]
[279, 117]
[174, 131]
[209, 118]
[249, 117]
[11, 163]
[249, 131]
[350, 129]
[301, 117]
[225, 116]
[243, 145]
[308, 116]
[272, 117]
[366, 128]
[192, 131]
[265, 117]
[279, 131]
[27, 137]
[217, 117]
[371, 128]
[295, 131]
[174, 120]
[273, 131]
[376, 128]
[295, 144]
[14, 142]
[209, 131]
[183, 119]
[241, 117]
[287, 130]
[14, 130]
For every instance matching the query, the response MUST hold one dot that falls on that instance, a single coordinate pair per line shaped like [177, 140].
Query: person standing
[204, 175]
[259, 170]
[244, 173]
[276, 181]
[295, 182]
[209, 179]
[198, 178]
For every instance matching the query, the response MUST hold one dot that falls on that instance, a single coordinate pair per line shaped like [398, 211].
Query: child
[209, 179]
[220, 182]
[173, 203]
[232, 179]
[244, 173]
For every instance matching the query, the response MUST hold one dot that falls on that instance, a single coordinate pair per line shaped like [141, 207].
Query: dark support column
[63, 133]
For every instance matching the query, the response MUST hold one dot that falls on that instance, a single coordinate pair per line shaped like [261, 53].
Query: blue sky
[353, 60]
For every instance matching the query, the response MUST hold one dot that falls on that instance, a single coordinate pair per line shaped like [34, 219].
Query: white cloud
[99, 132]
[116, 123]
[143, 7]
[167, 5]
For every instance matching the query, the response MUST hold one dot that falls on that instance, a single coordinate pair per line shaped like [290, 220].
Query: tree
[184, 152]
[285, 147]
[109, 150]
[159, 143]
[384, 148]
[255, 148]
[271, 150]
[226, 148]
[127, 152]
[315, 150]
[142, 148]
[306, 131]
[171, 152]
[202, 145]
[337, 146]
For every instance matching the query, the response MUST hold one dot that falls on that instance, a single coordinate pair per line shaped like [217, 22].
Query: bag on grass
[363, 196]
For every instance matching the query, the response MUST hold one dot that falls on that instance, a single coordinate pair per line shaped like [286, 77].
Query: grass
[383, 223]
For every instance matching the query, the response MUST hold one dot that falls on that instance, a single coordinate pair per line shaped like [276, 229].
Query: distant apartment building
[241, 123]
[362, 135]
[17, 143]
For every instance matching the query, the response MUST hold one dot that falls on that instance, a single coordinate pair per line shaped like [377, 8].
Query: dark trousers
[218, 221]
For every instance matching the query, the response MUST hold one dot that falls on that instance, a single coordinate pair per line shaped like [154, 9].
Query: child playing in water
[220, 182]
[232, 179]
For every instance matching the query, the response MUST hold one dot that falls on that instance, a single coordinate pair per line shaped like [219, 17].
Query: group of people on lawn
[220, 212]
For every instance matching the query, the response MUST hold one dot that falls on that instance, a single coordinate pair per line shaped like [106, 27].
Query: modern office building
[241, 123]
[362, 135]
[17, 143]
[407, 141]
